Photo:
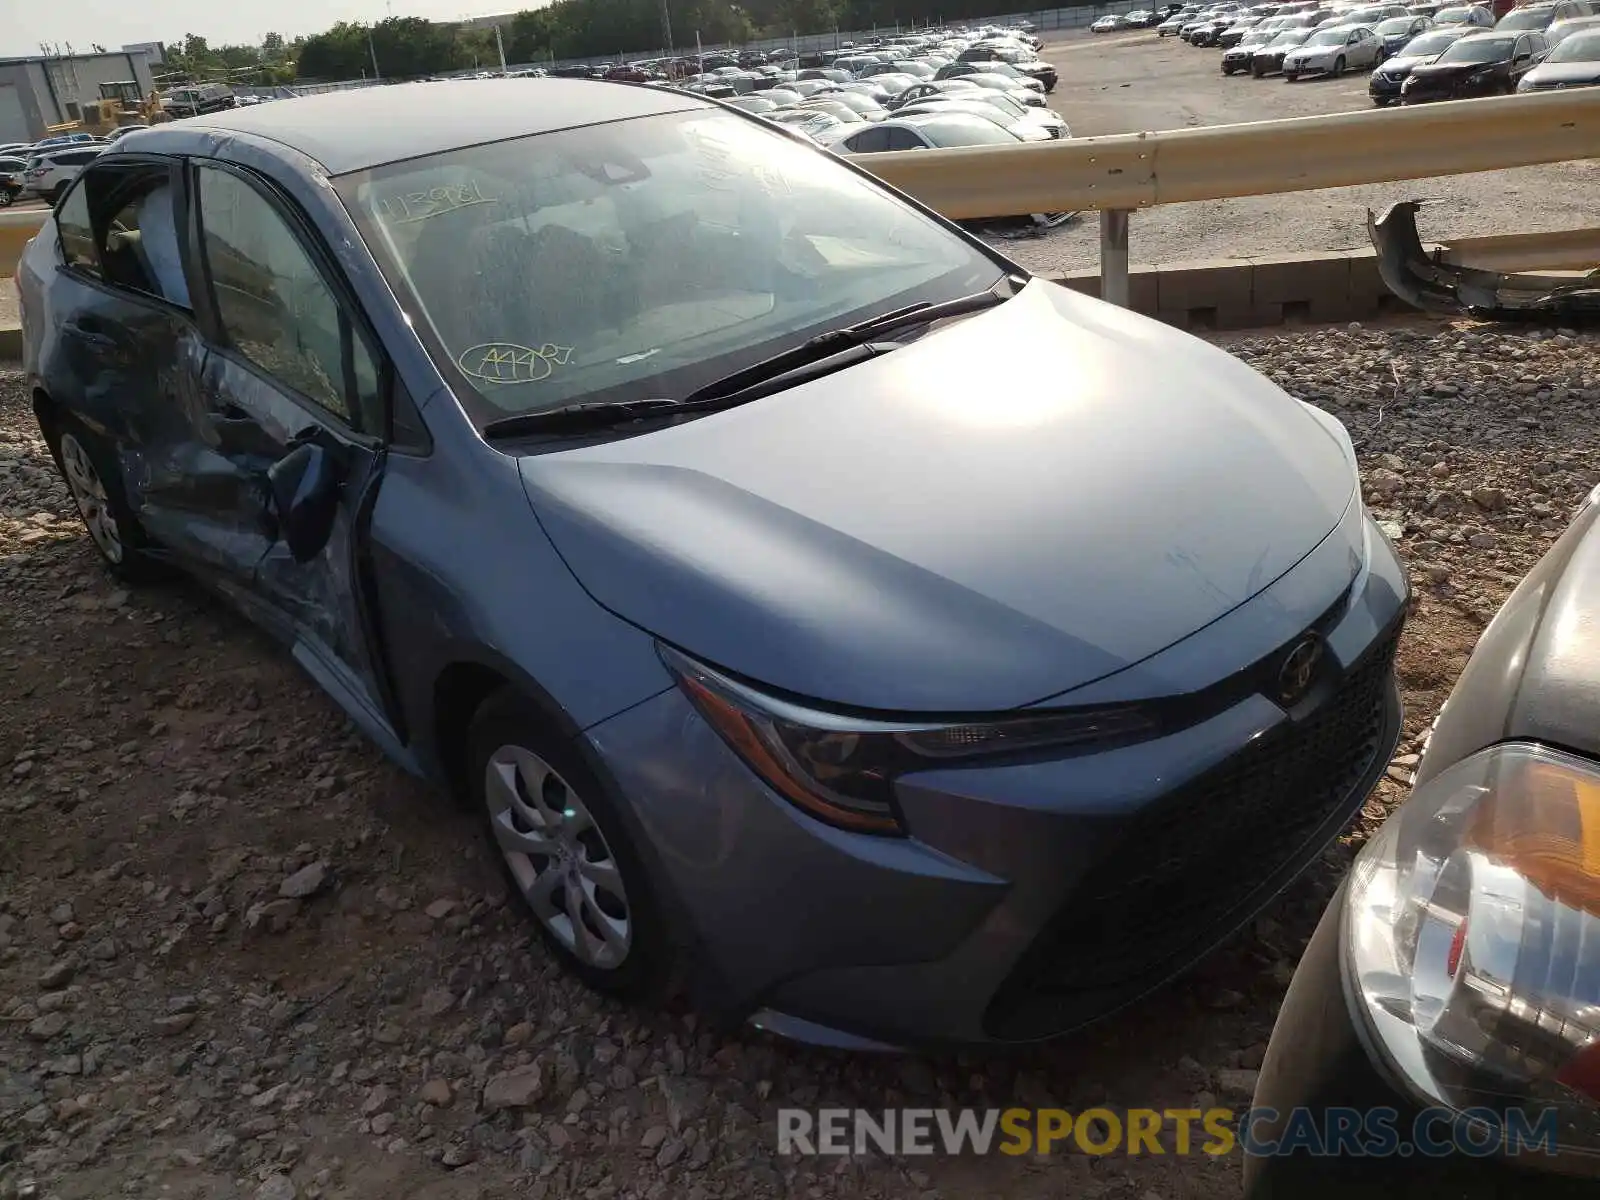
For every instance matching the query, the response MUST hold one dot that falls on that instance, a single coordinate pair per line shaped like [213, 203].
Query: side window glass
[139, 245]
[75, 233]
[276, 307]
[904, 139]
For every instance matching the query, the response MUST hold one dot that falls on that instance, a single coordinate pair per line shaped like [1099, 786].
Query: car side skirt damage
[1437, 281]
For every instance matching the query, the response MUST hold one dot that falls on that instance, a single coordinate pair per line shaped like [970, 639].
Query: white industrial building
[37, 92]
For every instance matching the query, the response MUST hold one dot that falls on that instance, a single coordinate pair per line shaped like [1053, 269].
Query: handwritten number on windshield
[507, 362]
[407, 207]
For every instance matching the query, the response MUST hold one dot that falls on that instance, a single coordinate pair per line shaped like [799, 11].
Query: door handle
[89, 337]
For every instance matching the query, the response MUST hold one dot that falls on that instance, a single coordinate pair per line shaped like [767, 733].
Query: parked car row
[986, 88]
[1142, 18]
[1416, 52]
[783, 58]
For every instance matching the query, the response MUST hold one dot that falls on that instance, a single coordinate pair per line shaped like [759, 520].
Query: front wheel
[87, 467]
[7, 198]
[567, 852]
[1226, 69]
[1290, 76]
[1338, 66]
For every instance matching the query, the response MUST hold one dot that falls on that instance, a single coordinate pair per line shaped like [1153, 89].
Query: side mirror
[305, 492]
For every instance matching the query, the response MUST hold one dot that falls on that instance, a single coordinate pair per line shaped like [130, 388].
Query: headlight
[1472, 937]
[841, 769]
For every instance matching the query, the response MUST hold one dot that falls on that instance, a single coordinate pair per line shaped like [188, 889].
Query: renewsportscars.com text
[1370, 1132]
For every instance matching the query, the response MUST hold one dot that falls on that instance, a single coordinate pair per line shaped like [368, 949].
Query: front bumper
[1320, 1075]
[1384, 87]
[1307, 66]
[1031, 897]
[1464, 89]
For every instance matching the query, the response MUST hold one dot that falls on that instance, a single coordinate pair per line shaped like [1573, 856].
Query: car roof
[366, 127]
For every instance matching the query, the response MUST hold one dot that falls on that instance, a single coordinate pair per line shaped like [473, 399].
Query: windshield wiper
[816, 356]
[735, 386]
[595, 414]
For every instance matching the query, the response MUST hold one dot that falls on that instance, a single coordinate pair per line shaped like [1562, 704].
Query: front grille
[1190, 868]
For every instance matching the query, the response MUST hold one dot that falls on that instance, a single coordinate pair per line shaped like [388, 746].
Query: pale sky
[115, 23]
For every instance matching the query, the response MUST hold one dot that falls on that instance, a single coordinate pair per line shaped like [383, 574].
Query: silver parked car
[822, 613]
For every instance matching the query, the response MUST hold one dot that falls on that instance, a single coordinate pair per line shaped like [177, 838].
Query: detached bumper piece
[1426, 280]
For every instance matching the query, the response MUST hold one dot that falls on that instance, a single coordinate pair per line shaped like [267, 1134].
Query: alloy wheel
[89, 493]
[558, 857]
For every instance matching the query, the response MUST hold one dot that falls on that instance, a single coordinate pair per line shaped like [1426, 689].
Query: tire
[1226, 69]
[87, 468]
[535, 790]
[1338, 66]
[7, 198]
[1290, 76]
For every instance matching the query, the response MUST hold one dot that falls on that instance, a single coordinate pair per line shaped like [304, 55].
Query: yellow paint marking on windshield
[404, 208]
[507, 362]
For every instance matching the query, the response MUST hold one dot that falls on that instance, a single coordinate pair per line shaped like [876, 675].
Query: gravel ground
[1126, 83]
[242, 956]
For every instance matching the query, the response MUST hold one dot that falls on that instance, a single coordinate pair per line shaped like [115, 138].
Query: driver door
[295, 377]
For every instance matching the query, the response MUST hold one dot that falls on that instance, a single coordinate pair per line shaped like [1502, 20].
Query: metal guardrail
[1121, 173]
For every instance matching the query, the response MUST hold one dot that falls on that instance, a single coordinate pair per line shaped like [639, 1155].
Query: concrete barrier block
[1142, 286]
[1369, 295]
[1220, 285]
[1310, 286]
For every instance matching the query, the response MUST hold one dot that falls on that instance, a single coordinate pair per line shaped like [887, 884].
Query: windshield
[1528, 18]
[1290, 37]
[641, 258]
[1430, 43]
[1580, 47]
[1393, 26]
[1448, 16]
[1328, 37]
[1478, 50]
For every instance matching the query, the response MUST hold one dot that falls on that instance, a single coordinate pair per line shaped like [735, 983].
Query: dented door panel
[316, 600]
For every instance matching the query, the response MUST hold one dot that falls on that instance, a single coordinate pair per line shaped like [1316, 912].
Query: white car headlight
[1472, 937]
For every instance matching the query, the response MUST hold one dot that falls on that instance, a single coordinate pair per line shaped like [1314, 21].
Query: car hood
[1445, 71]
[1533, 674]
[1011, 506]
[1573, 74]
[1405, 65]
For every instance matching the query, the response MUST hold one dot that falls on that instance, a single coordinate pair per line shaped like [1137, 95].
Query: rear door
[125, 353]
[294, 362]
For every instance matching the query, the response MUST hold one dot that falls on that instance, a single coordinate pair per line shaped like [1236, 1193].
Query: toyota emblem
[1298, 670]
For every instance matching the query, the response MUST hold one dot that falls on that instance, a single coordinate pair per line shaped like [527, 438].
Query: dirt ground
[1130, 82]
[171, 1026]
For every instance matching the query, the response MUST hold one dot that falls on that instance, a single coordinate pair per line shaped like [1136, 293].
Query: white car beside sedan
[1110, 24]
[1333, 51]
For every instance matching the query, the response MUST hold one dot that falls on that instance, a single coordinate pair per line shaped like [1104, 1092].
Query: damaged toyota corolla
[651, 480]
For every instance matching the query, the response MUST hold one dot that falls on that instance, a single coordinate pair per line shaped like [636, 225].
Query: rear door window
[75, 234]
